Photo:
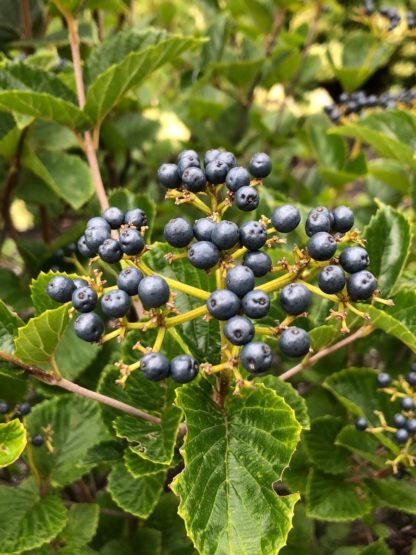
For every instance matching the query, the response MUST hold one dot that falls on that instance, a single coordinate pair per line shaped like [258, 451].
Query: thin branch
[26, 18]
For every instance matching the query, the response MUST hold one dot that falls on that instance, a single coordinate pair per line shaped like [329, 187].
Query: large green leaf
[233, 453]
[9, 324]
[28, 520]
[321, 447]
[13, 440]
[388, 241]
[73, 355]
[81, 526]
[392, 493]
[364, 445]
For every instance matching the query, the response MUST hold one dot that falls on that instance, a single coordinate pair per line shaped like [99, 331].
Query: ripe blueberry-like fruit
[136, 217]
[131, 241]
[203, 255]
[37, 440]
[186, 154]
[401, 435]
[188, 161]
[240, 280]
[95, 236]
[260, 165]
[236, 178]
[399, 420]
[361, 423]
[256, 357]
[4, 408]
[155, 366]
[79, 282]
[114, 217]
[411, 378]
[331, 279]
[60, 289]
[194, 179]
[225, 235]
[89, 327]
[203, 229]
[83, 248]
[259, 262]
[84, 299]
[354, 259]
[115, 303]
[317, 221]
[361, 286]
[295, 298]
[110, 251]
[256, 304]
[322, 246]
[247, 199]
[285, 218]
[168, 176]
[411, 425]
[407, 403]
[239, 330]
[294, 342]
[211, 155]
[343, 219]
[98, 221]
[128, 280]
[24, 409]
[383, 379]
[184, 368]
[228, 158]
[216, 171]
[223, 304]
[253, 235]
[178, 232]
[153, 291]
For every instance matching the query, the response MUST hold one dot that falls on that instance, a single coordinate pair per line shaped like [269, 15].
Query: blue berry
[240, 280]
[128, 280]
[24, 409]
[216, 171]
[361, 423]
[223, 304]
[236, 178]
[225, 235]
[411, 378]
[247, 199]
[361, 286]
[211, 155]
[4, 408]
[343, 219]
[317, 221]
[89, 327]
[95, 236]
[184, 368]
[407, 403]
[411, 425]
[259, 262]
[399, 420]
[37, 440]
[203, 229]
[228, 158]
[295, 298]
[294, 342]
[83, 249]
[239, 330]
[178, 232]
[260, 165]
[383, 379]
[110, 251]
[153, 291]
[256, 357]
[115, 303]
[136, 217]
[186, 153]
[331, 279]
[114, 217]
[60, 289]
[168, 176]
[84, 299]
[98, 221]
[253, 235]
[354, 259]
[285, 218]
[131, 241]
[188, 161]
[322, 246]
[79, 282]
[401, 435]
[194, 180]
[155, 366]
[256, 304]
[203, 255]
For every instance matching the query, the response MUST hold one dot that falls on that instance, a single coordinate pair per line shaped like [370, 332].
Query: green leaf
[364, 445]
[322, 336]
[376, 548]
[233, 454]
[388, 241]
[9, 324]
[81, 526]
[392, 493]
[105, 452]
[28, 520]
[321, 447]
[330, 498]
[38, 339]
[330, 150]
[73, 355]
[391, 172]
[12, 442]
[76, 426]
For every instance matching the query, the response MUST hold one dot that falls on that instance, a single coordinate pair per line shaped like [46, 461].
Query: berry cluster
[391, 14]
[21, 410]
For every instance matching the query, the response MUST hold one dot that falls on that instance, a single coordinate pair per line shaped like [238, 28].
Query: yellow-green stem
[186, 316]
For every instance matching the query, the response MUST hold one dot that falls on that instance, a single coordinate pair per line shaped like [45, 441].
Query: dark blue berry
[155, 366]
[95, 236]
[216, 171]
[256, 304]
[136, 217]
[225, 235]
[110, 251]
[98, 221]
[399, 420]
[295, 298]
[259, 262]
[168, 176]
[260, 165]
[24, 409]
[331, 279]
[203, 229]
[84, 299]
[322, 246]
[203, 255]
[211, 155]
[401, 435]
[83, 249]
[294, 342]
[343, 219]
[253, 235]
[285, 218]
[411, 378]
[60, 289]
[89, 327]
[4, 408]
[236, 178]
[188, 161]
[153, 291]
[240, 280]
[114, 216]
[361, 423]
[115, 303]
[354, 259]
[411, 425]
[247, 199]
[184, 368]
[37, 440]
[317, 221]
[178, 232]
[256, 357]
[383, 379]
[131, 241]
[361, 286]
[194, 180]
[228, 158]
[186, 154]
[400, 473]
[128, 280]
[223, 304]
[239, 330]
[407, 403]
[79, 282]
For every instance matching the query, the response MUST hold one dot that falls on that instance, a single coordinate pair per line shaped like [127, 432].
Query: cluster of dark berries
[219, 167]
[156, 367]
[391, 14]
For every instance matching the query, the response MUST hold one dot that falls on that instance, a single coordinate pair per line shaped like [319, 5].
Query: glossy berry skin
[203, 255]
[155, 366]
[316, 222]
[60, 289]
[236, 178]
[24, 409]
[228, 158]
[115, 303]
[225, 235]
[37, 440]
[223, 304]
[259, 262]
[110, 251]
[136, 217]
[295, 298]
[168, 176]
[361, 286]
[83, 248]
[240, 280]
[285, 218]
[411, 378]
[256, 304]
[399, 420]
[260, 165]
[128, 280]
[343, 219]
[411, 425]
[216, 171]
[194, 179]
[186, 154]
[153, 291]
[354, 259]
[4, 408]
[203, 229]
[247, 199]
[98, 221]
[131, 241]
[211, 155]
[79, 282]
[84, 299]
[253, 235]
[401, 435]
[383, 379]
[184, 369]
[239, 330]
[114, 217]
[322, 246]
[256, 357]
[89, 327]
[361, 424]
[188, 161]
[331, 279]
[95, 236]
[294, 342]
[407, 403]
[178, 232]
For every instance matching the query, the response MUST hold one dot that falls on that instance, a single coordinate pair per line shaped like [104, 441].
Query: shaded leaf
[321, 447]
[9, 324]
[81, 526]
[12, 442]
[393, 493]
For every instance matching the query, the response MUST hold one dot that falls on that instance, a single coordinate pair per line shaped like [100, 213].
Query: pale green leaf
[13, 440]
[9, 324]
